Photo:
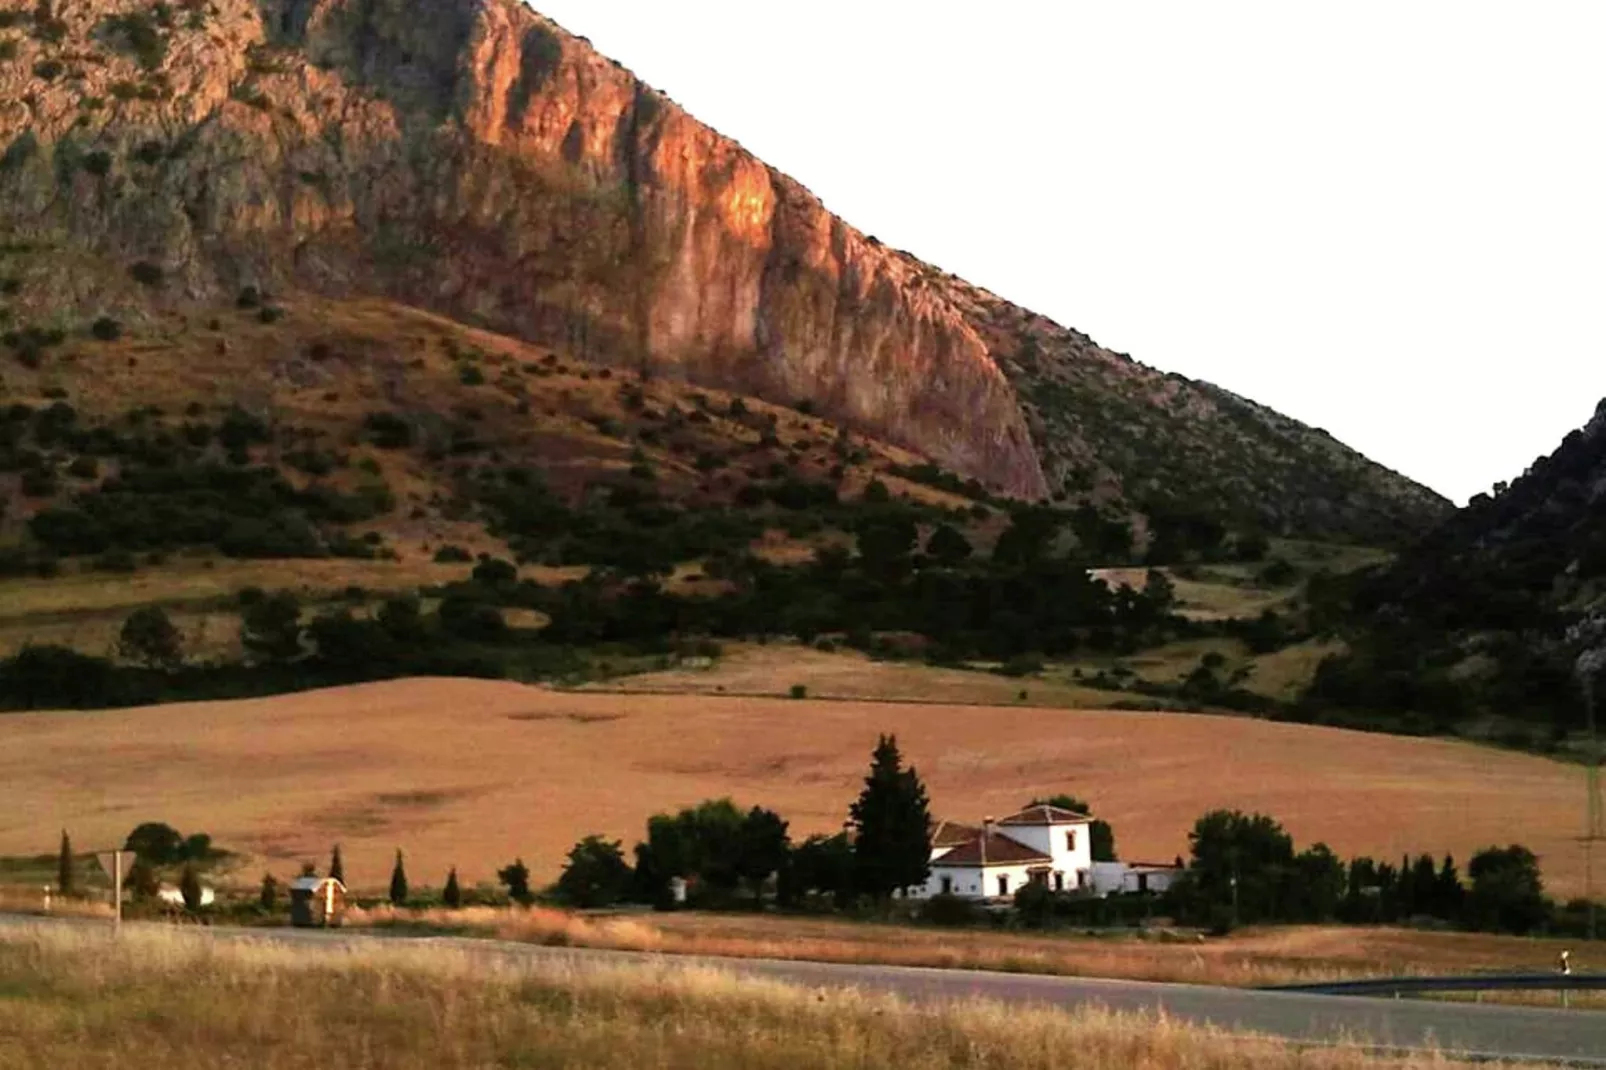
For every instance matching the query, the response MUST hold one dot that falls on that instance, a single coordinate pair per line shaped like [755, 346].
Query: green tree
[337, 865]
[141, 880]
[402, 619]
[1449, 895]
[189, 886]
[270, 629]
[1100, 833]
[268, 897]
[885, 543]
[948, 547]
[762, 848]
[596, 874]
[1507, 894]
[66, 871]
[516, 876]
[892, 825]
[149, 637]
[398, 881]
[1318, 886]
[452, 894]
[820, 864]
[157, 843]
[1241, 868]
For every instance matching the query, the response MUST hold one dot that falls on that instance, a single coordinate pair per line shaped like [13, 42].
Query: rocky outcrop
[470, 157]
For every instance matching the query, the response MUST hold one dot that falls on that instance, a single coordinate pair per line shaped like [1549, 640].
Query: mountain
[472, 160]
[1479, 625]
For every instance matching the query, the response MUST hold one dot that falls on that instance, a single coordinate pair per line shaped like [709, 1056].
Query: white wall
[1111, 877]
[1050, 839]
[973, 882]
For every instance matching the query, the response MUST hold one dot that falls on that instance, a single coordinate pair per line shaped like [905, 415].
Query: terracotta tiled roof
[990, 849]
[952, 834]
[1046, 815]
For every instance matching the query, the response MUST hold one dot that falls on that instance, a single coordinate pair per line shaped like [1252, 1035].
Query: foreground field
[473, 773]
[77, 999]
[1248, 958]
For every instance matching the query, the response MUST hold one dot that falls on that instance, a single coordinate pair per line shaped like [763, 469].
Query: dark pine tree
[452, 894]
[892, 823]
[398, 881]
[66, 874]
[337, 865]
[189, 886]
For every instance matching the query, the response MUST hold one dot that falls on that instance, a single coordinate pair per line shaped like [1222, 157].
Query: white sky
[1382, 218]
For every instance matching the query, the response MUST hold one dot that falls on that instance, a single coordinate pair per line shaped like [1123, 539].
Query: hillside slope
[1480, 620]
[471, 158]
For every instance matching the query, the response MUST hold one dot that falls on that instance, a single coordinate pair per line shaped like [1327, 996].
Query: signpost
[116, 858]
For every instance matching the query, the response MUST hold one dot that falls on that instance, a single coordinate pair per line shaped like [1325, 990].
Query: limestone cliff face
[470, 157]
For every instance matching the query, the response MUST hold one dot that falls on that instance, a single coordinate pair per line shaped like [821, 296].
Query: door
[1003, 884]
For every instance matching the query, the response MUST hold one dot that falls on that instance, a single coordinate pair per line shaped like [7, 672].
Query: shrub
[147, 274]
[106, 329]
[948, 910]
[270, 314]
[469, 375]
[452, 555]
[98, 163]
[47, 69]
[250, 297]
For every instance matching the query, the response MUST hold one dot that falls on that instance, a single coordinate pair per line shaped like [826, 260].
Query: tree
[1449, 896]
[268, 897]
[66, 872]
[452, 894]
[762, 848]
[822, 864]
[398, 881]
[517, 878]
[270, 629]
[156, 843]
[885, 543]
[1241, 868]
[1507, 894]
[141, 880]
[189, 886]
[1100, 833]
[402, 619]
[150, 638]
[948, 547]
[892, 825]
[337, 865]
[1318, 886]
[596, 874]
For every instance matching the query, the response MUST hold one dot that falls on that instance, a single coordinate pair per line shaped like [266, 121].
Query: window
[1003, 885]
[1059, 882]
[947, 886]
[1070, 840]
[1081, 878]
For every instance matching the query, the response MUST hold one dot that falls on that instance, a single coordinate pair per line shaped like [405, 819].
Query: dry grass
[772, 669]
[77, 999]
[473, 772]
[1251, 957]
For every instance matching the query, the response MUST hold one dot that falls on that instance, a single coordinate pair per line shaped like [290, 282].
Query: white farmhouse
[1040, 845]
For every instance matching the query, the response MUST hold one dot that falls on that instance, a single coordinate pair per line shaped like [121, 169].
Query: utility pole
[117, 891]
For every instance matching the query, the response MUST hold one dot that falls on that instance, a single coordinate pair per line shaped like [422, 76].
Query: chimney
[987, 826]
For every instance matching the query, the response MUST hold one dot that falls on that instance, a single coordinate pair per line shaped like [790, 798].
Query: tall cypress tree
[892, 819]
[398, 881]
[66, 872]
[452, 894]
[189, 886]
[337, 865]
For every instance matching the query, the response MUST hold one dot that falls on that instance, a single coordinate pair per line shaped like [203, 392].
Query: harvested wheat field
[473, 772]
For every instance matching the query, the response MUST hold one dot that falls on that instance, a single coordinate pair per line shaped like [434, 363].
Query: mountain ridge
[483, 163]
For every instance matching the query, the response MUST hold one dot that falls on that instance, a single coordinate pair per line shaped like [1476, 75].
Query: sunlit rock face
[472, 158]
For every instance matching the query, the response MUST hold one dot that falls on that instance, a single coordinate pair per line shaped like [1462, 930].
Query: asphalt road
[1531, 1034]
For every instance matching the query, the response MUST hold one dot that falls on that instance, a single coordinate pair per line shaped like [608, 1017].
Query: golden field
[473, 773]
[1248, 957]
[80, 999]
